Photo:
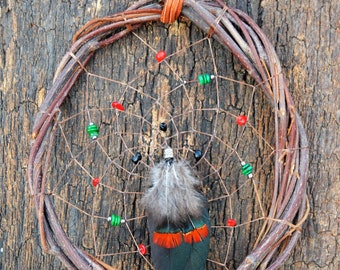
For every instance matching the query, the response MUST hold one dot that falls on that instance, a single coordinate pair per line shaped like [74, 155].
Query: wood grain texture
[306, 37]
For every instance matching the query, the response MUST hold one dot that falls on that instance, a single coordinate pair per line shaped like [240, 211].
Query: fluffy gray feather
[173, 196]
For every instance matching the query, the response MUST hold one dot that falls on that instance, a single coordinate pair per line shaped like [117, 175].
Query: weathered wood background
[35, 35]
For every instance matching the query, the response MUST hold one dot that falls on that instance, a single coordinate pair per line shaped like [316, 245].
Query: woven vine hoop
[246, 41]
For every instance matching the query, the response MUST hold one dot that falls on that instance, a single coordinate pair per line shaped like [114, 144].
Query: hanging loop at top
[171, 10]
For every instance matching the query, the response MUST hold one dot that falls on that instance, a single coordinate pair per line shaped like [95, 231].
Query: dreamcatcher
[153, 149]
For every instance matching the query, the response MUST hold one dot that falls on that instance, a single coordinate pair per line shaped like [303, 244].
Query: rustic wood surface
[35, 35]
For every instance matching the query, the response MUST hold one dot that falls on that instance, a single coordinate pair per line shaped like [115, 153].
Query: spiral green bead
[115, 220]
[93, 131]
[204, 79]
[246, 169]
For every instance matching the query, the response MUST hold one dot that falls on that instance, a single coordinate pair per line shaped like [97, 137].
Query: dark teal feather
[186, 256]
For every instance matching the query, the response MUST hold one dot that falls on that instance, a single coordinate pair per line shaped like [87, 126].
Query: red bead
[231, 222]
[160, 56]
[241, 120]
[118, 106]
[95, 181]
[142, 249]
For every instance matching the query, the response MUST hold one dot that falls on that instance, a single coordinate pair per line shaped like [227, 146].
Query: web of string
[150, 155]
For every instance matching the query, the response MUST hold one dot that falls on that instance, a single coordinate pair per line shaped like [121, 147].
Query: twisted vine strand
[243, 37]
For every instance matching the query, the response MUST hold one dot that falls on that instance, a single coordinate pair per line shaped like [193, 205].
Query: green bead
[246, 169]
[115, 220]
[93, 131]
[205, 78]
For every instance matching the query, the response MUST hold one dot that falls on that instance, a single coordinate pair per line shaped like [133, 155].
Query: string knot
[168, 153]
[171, 10]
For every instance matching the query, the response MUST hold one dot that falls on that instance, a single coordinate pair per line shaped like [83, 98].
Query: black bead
[198, 155]
[136, 158]
[163, 126]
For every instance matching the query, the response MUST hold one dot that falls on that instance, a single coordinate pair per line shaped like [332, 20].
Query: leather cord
[171, 10]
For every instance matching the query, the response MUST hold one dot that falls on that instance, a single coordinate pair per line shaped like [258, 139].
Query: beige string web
[253, 173]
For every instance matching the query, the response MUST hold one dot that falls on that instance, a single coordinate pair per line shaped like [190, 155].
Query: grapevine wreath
[235, 31]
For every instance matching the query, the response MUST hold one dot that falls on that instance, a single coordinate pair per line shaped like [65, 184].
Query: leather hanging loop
[171, 10]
